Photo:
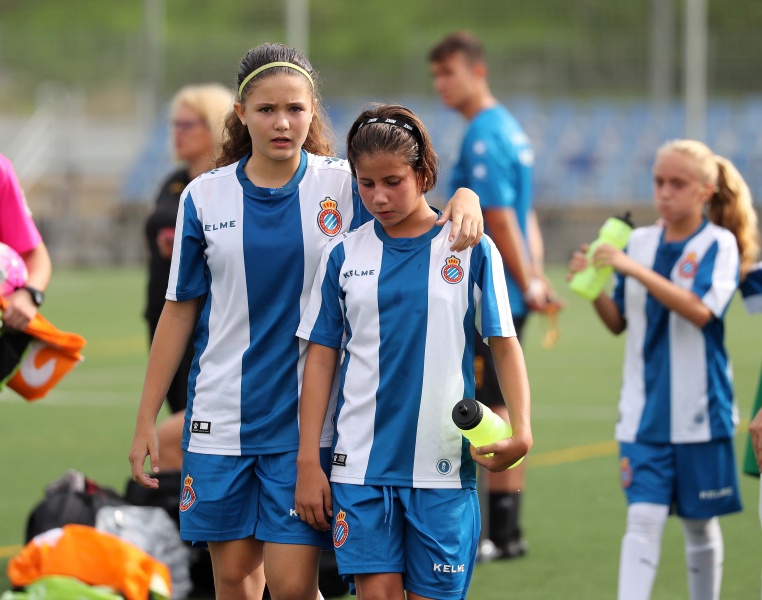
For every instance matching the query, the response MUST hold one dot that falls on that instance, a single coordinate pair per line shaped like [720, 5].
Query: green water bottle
[479, 425]
[589, 283]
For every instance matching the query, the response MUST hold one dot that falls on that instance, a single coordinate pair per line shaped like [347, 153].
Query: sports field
[575, 511]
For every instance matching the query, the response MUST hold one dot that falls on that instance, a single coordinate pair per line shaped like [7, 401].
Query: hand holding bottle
[589, 281]
[492, 443]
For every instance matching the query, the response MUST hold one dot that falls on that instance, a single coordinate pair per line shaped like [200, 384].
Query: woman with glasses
[197, 114]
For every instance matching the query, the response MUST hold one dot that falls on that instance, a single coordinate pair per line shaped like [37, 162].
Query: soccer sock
[704, 553]
[504, 514]
[641, 547]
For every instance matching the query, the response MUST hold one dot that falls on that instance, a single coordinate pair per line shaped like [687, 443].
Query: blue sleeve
[717, 276]
[323, 319]
[493, 309]
[189, 274]
[751, 289]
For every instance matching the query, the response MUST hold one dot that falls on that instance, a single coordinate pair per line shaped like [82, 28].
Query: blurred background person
[197, 114]
[677, 410]
[496, 162]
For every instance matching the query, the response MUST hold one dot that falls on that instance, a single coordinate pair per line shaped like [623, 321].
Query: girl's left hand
[467, 219]
[506, 453]
[19, 310]
[607, 255]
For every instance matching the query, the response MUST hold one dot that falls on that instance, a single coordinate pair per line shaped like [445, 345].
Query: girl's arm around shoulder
[467, 219]
[514, 384]
[173, 333]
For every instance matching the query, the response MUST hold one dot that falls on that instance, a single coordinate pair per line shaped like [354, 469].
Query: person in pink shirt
[17, 230]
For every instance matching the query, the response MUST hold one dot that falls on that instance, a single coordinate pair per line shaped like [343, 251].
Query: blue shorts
[429, 535]
[227, 498]
[697, 480]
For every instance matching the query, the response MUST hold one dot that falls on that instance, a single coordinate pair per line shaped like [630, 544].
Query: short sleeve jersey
[17, 229]
[677, 383]
[751, 289]
[496, 162]
[251, 255]
[408, 310]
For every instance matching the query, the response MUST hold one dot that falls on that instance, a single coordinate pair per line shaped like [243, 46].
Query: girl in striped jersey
[406, 310]
[677, 410]
[249, 238]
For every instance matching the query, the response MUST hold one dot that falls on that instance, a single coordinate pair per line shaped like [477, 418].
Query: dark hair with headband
[237, 142]
[394, 129]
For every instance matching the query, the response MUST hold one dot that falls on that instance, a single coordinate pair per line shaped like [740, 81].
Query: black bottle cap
[467, 414]
[627, 218]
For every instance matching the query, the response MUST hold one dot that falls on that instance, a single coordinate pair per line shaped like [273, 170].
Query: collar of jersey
[679, 244]
[415, 242]
[264, 194]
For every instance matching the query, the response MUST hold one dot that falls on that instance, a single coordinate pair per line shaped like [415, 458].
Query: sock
[704, 553]
[504, 514]
[641, 547]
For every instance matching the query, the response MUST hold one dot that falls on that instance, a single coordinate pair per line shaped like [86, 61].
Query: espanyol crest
[340, 530]
[688, 266]
[452, 272]
[329, 219]
[188, 495]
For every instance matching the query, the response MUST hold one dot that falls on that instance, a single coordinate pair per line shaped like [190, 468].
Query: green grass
[574, 515]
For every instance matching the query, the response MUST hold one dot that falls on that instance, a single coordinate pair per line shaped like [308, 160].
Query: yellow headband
[271, 65]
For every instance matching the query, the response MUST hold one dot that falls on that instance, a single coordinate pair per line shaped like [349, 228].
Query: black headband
[397, 123]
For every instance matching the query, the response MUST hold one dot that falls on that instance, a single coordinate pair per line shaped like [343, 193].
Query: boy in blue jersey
[403, 311]
[496, 161]
[249, 238]
[677, 412]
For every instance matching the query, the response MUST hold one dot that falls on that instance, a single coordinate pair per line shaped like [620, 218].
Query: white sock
[641, 547]
[704, 553]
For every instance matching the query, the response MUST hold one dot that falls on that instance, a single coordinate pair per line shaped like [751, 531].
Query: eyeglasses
[186, 125]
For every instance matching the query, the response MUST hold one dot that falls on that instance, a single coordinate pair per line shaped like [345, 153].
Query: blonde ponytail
[731, 208]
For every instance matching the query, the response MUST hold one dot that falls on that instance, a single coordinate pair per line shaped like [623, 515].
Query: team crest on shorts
[452, 272]
[688, 266]
[625, 472]
[340, 530]
[329, 219]
[188, 495]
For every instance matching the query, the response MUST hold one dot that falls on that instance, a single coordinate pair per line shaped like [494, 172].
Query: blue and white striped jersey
[751, 289]
[251, 255]
[496, 161]
[408, 309]
[677, 381]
